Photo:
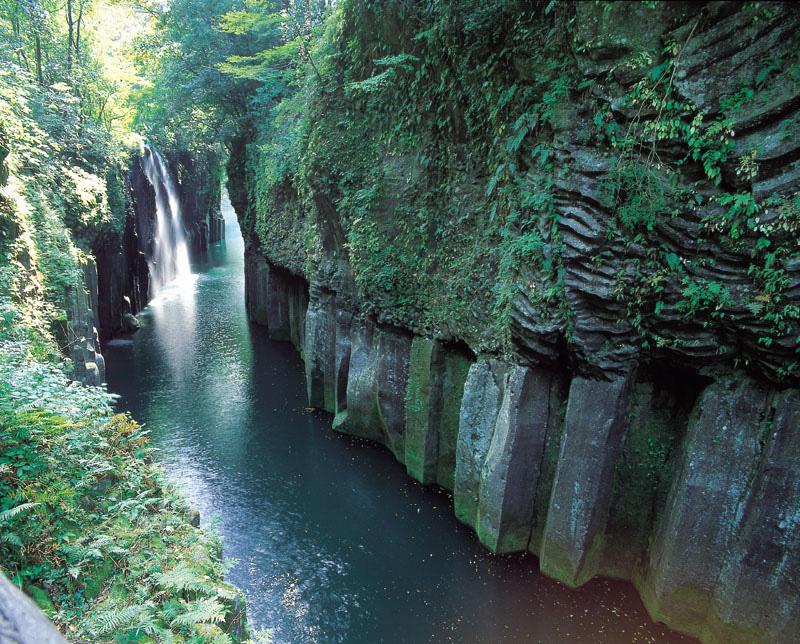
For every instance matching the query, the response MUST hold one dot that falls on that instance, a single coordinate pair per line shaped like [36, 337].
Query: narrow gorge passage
[334, 542]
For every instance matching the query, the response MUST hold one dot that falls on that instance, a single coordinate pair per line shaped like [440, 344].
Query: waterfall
[170, 257]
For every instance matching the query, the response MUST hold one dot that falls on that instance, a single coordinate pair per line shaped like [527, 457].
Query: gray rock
[277, 306]
[130, 323]
[760, 581]
[718, 463]
[320, 351]
[256, 287]
[483, 393]
[594, 426]
[514, 461]
[393, 354]
[343, 347]
[362, 416]
[21, 621]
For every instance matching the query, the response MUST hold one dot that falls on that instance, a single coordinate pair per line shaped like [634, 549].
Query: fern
[11, 538]
[12, 512]
[113, 620]
[202, 611]
[183, 577]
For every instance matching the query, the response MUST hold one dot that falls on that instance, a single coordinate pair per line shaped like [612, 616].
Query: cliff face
[596, 353]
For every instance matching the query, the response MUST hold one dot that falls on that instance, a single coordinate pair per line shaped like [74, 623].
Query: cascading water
[170, 258]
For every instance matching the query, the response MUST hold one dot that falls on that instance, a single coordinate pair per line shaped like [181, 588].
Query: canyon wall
[686, 485]
[606, 383]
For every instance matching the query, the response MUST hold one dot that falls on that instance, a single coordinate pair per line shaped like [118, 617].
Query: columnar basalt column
[718, 464]
[513, 463]
[320, 350]
[483, 395]
[594, 427]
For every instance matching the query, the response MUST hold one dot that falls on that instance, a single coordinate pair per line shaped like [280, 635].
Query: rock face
[483, 396]
[646, 430]
[82, 337]
[21, 621]
[689, 487]
[594, 428]
[513, 468]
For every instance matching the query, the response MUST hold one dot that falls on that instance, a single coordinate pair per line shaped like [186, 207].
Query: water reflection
[334, 542]
[173, 314]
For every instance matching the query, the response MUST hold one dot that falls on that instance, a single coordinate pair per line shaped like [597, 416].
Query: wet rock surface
[660, 447]
[659, 477]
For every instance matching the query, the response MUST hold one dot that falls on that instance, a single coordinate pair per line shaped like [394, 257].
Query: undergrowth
[88, 527]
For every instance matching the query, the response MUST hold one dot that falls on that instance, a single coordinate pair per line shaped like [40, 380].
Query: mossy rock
[95, 581]
[41, 598]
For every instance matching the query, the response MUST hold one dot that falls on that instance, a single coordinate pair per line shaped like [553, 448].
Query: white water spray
[170, 259]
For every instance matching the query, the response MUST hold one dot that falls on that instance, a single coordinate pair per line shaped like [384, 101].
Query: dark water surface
[334, 542]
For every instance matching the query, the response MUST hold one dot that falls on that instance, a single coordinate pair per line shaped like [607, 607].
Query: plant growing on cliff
[87, 525]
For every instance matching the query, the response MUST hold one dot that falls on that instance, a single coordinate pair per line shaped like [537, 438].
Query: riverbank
[88, 527]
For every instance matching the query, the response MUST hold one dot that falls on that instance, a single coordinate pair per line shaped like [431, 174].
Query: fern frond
[202, 611]
[11, 538]
[184, 577]
[113, 620]
[12, 512]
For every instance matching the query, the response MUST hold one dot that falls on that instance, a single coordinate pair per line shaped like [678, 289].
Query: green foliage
[88, 527]
[86, 518]
[54, 202]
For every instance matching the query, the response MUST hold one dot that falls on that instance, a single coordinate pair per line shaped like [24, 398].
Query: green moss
[95, 579]
[421, 436]
[556, 563]
[694, 611]
[456, 368]
[41, 598]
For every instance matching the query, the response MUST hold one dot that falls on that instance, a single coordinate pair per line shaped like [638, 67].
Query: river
[333, 542]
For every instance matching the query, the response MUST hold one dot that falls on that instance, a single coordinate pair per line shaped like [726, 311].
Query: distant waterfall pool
[333, 542]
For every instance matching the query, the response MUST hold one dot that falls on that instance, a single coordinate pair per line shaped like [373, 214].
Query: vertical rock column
[513, 462]
[343, 347]
[483, 394]
[298, 309]
[760, 581]
[277, 305]
[594, 427]
[363, 417]
[422, 435]
[376, 384]
[453, 367]
[706, 502]
[256, 287]
[87, 361]
[320, 351]
[394, 352]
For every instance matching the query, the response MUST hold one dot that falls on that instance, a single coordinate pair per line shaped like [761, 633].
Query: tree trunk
[78, 33]
[39, 75]
[71, 35]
